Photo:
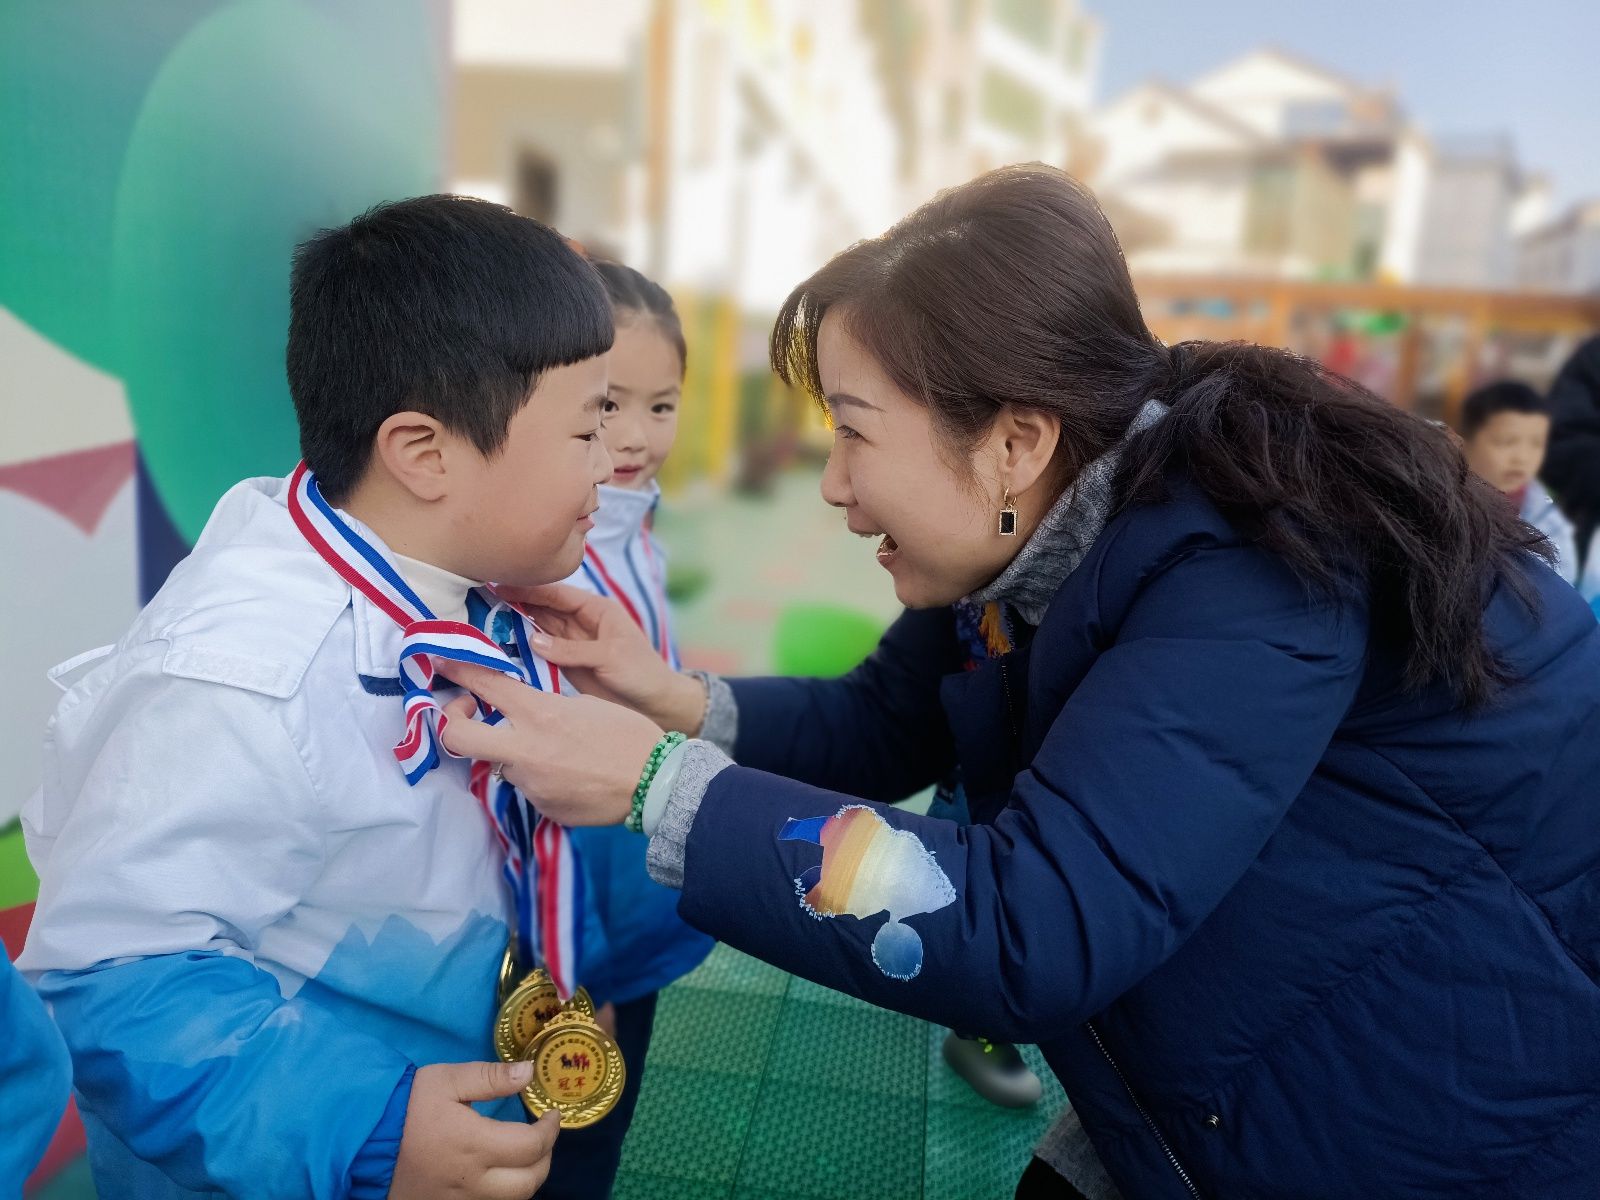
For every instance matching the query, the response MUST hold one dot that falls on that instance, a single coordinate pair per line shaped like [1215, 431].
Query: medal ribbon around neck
[540, 864]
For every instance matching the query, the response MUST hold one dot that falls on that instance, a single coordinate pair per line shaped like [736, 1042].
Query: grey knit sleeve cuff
[720, 726]
[702, 762]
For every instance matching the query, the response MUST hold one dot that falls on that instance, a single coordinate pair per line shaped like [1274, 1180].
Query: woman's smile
[888, 548]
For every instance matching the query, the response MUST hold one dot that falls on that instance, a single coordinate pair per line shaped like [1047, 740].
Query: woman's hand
[576, 758]
[607, 655]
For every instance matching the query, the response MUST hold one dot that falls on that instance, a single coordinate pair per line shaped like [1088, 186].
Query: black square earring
[1008, 517]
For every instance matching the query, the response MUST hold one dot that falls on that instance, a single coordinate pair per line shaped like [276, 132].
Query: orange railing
[1273, 311]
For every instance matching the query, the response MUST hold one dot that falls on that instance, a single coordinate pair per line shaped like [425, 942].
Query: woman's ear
[1027, 439]
[412, 448]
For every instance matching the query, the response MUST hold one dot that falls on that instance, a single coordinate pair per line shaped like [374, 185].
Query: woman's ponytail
[1350, 491]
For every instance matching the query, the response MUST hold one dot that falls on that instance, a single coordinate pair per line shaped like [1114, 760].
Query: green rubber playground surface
[761, 1086]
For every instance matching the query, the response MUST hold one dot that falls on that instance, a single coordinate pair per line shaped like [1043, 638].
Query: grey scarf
[1054, 550]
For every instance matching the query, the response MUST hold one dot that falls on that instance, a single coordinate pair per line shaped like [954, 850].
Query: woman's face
[935, 524]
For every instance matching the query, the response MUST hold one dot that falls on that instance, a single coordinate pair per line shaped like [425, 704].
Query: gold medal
[531, 1004]
[577, 1070]
[508, 972]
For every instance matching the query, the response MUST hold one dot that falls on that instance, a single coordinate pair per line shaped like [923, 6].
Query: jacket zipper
[1148, 1120]
[1011, 709]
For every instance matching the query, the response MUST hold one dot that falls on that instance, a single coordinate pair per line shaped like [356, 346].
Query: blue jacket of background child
[646, 945]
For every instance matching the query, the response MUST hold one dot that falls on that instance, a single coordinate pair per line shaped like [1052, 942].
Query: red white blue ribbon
[541, 865]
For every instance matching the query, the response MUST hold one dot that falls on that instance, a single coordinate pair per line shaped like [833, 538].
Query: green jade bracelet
[669, 743]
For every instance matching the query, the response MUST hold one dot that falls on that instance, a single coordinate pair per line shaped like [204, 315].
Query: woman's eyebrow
[835, 399]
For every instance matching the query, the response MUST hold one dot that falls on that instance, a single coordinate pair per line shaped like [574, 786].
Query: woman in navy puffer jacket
[1280, 739]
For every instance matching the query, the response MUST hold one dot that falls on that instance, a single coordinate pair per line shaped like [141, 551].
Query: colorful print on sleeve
[869, 867]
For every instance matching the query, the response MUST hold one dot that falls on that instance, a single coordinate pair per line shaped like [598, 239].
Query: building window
[1077, 45]
[536, 193]
[1315, 118]
[952, 113]
[1031, 20]
[1267, 210]
[1011, 106]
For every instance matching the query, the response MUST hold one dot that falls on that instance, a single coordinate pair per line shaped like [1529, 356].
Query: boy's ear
[412, 448]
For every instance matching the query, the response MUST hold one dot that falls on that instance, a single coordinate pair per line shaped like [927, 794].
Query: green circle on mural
[267, 122]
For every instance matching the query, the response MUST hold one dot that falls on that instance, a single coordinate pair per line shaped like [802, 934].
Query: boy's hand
[447, 1149]
[606, 654]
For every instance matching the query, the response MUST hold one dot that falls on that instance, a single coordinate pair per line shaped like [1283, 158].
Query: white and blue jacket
[1542, 512]
[250, 930]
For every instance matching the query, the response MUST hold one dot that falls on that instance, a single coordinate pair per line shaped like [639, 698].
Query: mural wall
[157, 164]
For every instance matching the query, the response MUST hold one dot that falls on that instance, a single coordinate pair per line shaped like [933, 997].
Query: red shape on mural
[80, 485]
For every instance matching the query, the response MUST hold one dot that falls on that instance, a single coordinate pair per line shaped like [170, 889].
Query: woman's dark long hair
[1012, 290]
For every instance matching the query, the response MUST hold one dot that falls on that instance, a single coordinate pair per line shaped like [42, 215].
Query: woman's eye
[846, 432]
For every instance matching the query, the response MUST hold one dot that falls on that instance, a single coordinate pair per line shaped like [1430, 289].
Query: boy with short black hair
[272, 948]
[1504, 429]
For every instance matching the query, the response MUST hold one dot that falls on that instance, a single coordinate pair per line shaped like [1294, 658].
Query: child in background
[272, 948]
[1504, 430]
[647, 944]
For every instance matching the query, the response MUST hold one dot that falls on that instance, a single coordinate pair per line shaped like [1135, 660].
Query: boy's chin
[556, 568]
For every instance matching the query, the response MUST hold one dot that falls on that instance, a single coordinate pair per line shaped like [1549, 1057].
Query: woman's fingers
[567, 652]
[559, 597]
[474, 739]
[494, 687]
[462, 708]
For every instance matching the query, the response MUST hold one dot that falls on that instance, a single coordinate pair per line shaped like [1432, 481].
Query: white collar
[377, 637]
[622, 513]
[444, 592]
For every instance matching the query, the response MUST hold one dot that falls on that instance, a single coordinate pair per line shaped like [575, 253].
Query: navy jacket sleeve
[1157, 784]
[878, 732]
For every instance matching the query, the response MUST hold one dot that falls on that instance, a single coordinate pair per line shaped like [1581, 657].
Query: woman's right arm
[878, 732]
